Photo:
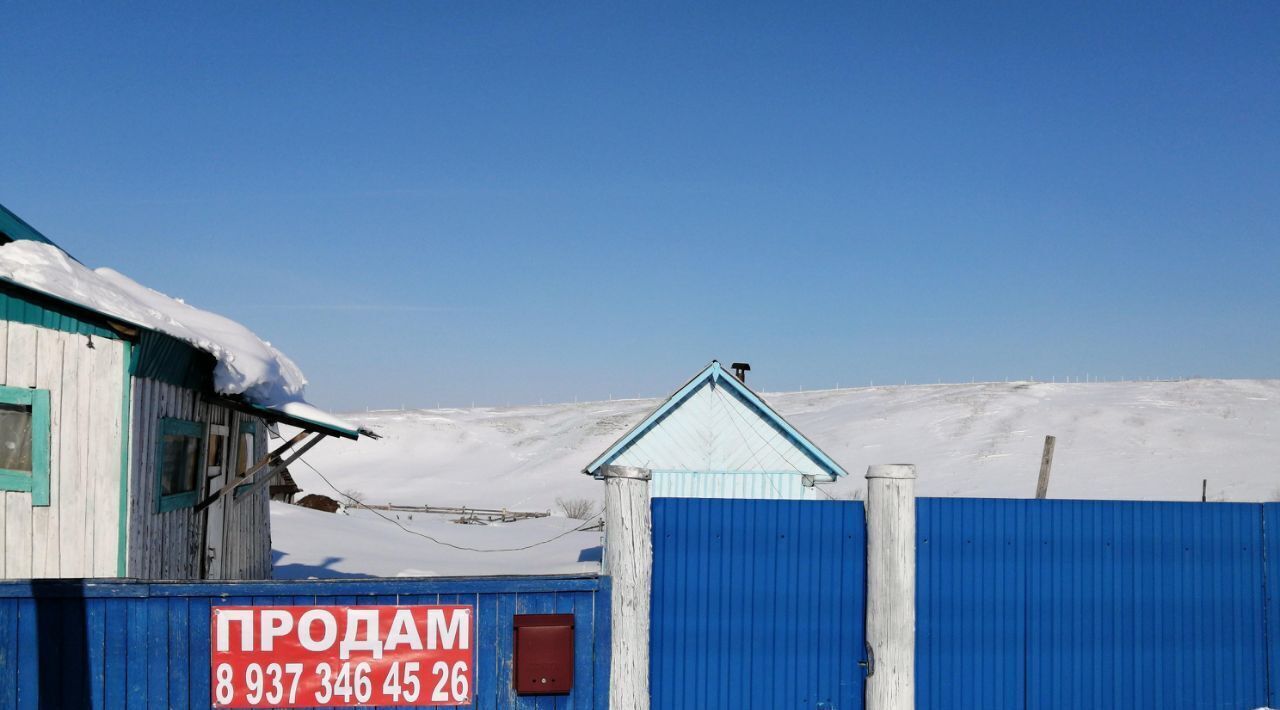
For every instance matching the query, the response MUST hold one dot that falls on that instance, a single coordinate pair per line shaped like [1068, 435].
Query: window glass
[181, 463]
[15, 437]
[214, 457]
[244, 458]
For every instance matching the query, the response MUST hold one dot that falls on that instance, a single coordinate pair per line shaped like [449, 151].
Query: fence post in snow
[891, 587]
[628, 558]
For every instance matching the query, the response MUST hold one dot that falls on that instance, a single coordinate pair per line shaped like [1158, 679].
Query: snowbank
[246, 364]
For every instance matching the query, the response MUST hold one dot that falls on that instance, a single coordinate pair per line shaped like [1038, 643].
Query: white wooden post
[628, 558]
[891, 587]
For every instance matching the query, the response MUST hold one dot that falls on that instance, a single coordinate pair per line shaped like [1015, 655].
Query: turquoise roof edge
[714, 372]
[17, 228]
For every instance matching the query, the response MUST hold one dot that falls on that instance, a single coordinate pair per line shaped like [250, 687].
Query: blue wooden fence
[128, 644]
[757, 604]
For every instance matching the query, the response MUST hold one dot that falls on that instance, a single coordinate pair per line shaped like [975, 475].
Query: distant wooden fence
[466, 515]
[126, 644]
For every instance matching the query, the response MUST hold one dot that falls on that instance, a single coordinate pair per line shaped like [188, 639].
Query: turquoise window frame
[247, 426]
[37, 481]
[186, 499]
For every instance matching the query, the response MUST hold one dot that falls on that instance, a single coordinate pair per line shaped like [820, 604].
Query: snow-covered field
[1126, 440]
[361, 544]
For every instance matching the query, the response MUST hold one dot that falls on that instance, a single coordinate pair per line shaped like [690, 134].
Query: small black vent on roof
[740, 370]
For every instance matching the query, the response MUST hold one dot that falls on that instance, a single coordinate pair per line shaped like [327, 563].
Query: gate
[757, 604]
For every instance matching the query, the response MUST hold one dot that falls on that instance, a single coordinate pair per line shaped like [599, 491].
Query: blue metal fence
[757, 604]
[126, 644]
[1091, 604]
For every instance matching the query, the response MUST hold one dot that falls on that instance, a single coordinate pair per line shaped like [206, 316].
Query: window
[246, 453]
[213, 458]
[245, 456]
[179, 458]
[24, 442]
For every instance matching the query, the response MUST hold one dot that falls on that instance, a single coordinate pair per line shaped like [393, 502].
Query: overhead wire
[588, 524]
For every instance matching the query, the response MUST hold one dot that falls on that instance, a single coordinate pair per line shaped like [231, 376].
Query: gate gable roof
[754, 430]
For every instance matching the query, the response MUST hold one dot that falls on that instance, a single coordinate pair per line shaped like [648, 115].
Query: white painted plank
[3, 516]
[44, 519]
[21, 372]
[106, 458]
[86, 377]
[138, 423]
[4, 351]
[71, 462]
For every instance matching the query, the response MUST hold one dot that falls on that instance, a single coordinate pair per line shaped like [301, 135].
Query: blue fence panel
[128, 644]
[1271, 583]
[1156, 605]
[971, 609]
[1089, 604]
[757, 604]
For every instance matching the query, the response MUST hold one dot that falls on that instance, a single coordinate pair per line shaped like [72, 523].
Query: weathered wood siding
[77, 534]
[248, 521]
[168, 545]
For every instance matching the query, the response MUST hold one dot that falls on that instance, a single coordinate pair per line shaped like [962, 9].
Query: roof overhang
[275, 415]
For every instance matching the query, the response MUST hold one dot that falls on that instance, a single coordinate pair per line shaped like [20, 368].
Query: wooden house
[715, 438]
[120, 456]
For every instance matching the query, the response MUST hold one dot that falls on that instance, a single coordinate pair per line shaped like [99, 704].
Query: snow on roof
[246, 364]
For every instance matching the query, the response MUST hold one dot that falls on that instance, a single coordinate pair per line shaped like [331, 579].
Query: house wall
[78, 534]
[703, 484]
[167, 545]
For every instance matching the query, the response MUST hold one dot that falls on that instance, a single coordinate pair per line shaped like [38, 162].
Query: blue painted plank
[579, 604]
[602, 639]
[9, 660]
[504, 692]
[179, 652]
[115, 642]
[29, 655]
[199, 652]
[96, 650]
[486, 675]
[157, 654]
[138, 658]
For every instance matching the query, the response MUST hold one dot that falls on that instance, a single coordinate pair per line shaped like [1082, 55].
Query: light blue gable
[716, 438]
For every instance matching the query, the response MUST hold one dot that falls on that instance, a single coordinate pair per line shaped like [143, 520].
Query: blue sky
[441, 202]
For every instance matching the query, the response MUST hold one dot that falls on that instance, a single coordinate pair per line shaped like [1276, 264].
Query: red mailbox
[543, 663]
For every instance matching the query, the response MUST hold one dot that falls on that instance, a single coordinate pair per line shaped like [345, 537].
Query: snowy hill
[1127, 440]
